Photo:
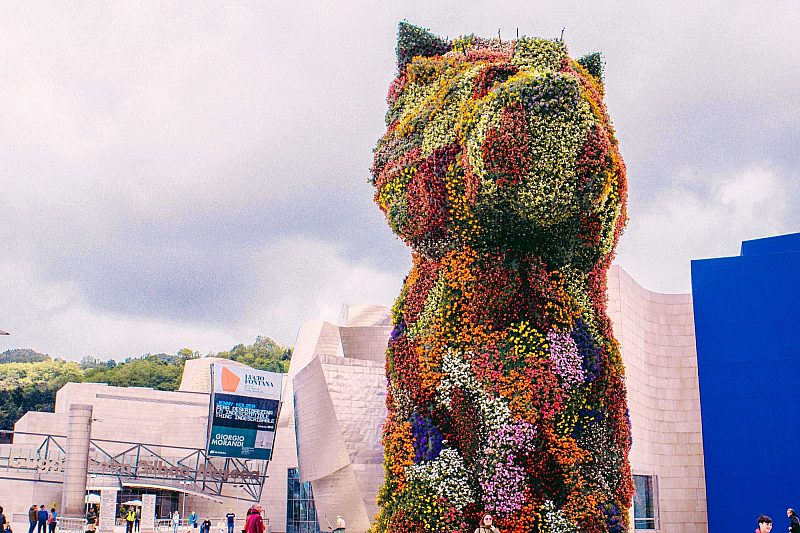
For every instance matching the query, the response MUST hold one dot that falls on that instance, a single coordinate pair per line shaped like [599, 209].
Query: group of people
[205, 525]
[46, 521]
[42, 520]
[765, 522]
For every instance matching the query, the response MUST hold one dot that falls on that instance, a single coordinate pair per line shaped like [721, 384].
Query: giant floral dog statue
[500, 170]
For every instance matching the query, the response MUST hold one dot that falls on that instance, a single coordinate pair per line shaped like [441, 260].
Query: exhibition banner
[244, 412]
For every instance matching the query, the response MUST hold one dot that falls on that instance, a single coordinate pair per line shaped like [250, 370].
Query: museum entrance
[166, 500]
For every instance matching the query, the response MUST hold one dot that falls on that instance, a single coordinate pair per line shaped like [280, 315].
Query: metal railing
[41, 456]
[165, 525]
[71, 525]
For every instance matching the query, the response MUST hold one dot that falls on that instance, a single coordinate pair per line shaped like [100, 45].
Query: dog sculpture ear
[415, 41]
[594, 64]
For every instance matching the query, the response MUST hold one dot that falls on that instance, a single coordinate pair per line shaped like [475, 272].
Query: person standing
[794, 521]
[41, 518]
[137, 520]
[176, 521]
[193, 520]
[764, 524]
[340, 524]
[231, 518]
[33, 517]
[130, 518]
[3, 521]
[52, 520]
[91, 520]
[255, 524]
[205, 527]
[486, 525]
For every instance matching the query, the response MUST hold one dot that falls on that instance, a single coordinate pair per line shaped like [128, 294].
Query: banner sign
[108, 510]
[244, 412]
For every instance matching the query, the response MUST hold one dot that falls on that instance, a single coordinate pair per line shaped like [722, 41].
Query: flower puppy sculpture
[499, 168]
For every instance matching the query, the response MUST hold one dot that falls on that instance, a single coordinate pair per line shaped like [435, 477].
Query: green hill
[29, 380]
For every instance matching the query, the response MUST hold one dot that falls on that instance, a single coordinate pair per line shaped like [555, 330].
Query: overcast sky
[193, 175]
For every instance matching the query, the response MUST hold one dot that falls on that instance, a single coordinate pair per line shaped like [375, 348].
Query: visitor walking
[231, 520]
[33, 517]
[340, 524]
[3, 521]
[52, 520]
[486, 525]
[794, 521]
[764, 524]
[255, 524]
[176, 521]
[41, 518]
[130, 518]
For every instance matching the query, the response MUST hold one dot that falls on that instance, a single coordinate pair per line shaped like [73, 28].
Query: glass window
[645, 499]
[301, 514]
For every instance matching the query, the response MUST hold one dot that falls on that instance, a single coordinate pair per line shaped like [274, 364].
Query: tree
[263, 354]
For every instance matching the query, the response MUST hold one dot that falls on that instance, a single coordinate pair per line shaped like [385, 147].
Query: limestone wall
[656, 332]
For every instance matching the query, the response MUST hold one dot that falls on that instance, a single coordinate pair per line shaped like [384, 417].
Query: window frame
[651, 523]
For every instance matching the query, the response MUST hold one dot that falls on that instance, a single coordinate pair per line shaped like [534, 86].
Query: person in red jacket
[255, 524]
[764, 524]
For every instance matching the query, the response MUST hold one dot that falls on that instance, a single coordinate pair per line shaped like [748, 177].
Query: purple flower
[427, 438]
[398, 330]
[565, 358]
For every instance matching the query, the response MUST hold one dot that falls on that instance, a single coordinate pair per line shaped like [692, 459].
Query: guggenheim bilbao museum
[707, 374]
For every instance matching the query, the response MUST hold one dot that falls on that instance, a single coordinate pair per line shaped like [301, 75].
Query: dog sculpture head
[500, 145]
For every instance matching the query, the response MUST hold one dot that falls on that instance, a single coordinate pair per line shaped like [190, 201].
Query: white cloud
[55, 318]
[702, 216]
[141, 137]
[306, 279]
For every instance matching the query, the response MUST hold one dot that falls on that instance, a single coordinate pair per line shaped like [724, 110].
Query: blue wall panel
[747, 321]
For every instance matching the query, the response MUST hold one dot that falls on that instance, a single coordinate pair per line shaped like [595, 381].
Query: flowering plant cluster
[500, 169]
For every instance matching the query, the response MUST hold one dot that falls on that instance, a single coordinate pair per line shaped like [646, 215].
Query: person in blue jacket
[41, 518]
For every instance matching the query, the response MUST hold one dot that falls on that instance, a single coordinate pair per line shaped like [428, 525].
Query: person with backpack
[486, 525]
[33, 517]
[52, 520]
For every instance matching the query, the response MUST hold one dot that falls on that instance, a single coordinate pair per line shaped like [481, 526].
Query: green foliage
[149, 371]
[594, 64]
[32, 383]
[22, 355]
[263, 354]
[32, 387]
[43, 374]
